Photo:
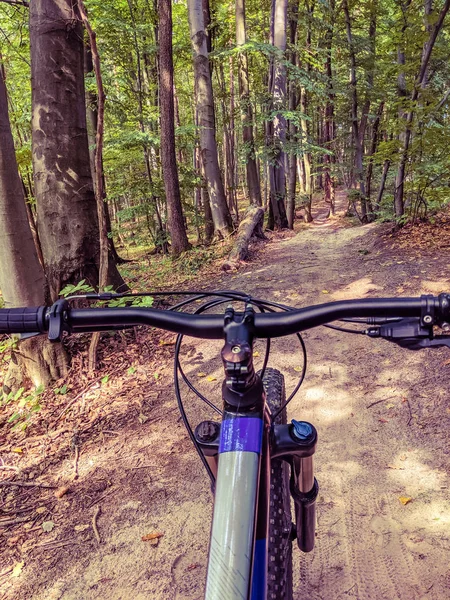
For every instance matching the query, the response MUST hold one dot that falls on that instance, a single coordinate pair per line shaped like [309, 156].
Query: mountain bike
[256, 461]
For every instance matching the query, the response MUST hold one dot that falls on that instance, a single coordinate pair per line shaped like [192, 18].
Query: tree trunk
[91, 122]
[66, 207]
[22, 279]
[357, 141]
[250, 226]
[373, 149]
[206, 120]
[168, 156]
[305, 160]
[292, 127]
[277, 128]
[329, 159]
[253, 184]
[387, 164]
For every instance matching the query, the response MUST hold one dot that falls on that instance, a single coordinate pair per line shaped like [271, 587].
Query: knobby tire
[279, 572]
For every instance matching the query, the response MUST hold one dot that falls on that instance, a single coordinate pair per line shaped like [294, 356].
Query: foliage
[127, 38]
[26, 404]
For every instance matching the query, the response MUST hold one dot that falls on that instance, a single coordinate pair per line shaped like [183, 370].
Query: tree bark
[22, 279]
[91, 122]
[177, 228]
[66, 208]
[329, 159]
[277, 127]
[206, 121]
[253, 184]
[357, 141]
[387, 164]
[305, 160]
[292, 127]
[250, 226]
[373, 149]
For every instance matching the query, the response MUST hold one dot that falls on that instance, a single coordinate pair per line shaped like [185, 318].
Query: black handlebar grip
[22, 320]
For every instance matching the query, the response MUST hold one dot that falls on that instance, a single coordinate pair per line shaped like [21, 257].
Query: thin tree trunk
[253, 184]
[373, 149]
[306, 159]
[357, 142]
[98, 170]
[277, 128]
[292, 128]
[91, 121]
[329, 159]
[168, 157]
[206, 120]
[387, 164]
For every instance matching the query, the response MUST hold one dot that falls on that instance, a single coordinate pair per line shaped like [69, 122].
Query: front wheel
[279, 572]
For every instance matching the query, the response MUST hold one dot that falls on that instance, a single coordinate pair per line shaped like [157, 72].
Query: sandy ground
[383, 418]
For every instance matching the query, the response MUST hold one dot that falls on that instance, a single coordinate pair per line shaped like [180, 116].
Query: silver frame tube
[232, 532]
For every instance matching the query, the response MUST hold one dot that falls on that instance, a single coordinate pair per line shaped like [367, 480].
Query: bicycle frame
[238, 546]
[239, 452]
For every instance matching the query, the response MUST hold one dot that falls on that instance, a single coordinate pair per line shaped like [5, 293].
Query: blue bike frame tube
[233, 527]
[259, 576]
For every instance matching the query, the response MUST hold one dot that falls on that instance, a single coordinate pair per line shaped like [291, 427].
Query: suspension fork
[296, 443]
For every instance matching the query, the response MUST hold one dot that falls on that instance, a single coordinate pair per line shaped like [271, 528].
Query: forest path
[383, 421]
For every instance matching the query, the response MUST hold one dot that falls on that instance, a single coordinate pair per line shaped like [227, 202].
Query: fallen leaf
[256, 353]
[62, 491]
[17, 450]
[81, 527]
[405, 500]
[167, 342]
[152, 536]
[201, 374]
[211, 378]
[383, 420]
[390, 405]
[48, 526]
[325, 292]
[17, 569]
[41, 510]
[193, 566]
[298, 369]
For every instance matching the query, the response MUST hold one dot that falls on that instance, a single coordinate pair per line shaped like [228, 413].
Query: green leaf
[14, 417]
[105, 379]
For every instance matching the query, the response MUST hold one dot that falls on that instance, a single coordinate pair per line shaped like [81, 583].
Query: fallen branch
[250, 226]
[8, 522]
[27, 484]
[94, 524]
[75, 461]
[379, 401]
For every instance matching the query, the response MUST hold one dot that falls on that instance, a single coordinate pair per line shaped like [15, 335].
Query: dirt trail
[383, 421]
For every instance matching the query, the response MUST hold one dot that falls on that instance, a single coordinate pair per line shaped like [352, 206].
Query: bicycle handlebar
[211, 326]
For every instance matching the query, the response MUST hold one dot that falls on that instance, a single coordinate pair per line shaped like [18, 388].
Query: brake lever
[410, 334]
